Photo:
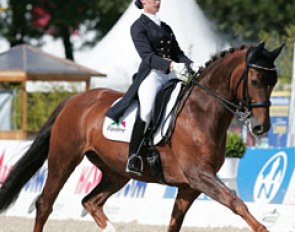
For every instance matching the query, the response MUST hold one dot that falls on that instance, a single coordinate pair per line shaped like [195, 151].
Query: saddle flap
[122, 130]
[167, 116]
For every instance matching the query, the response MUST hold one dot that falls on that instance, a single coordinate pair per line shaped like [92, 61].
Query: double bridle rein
[243, 110]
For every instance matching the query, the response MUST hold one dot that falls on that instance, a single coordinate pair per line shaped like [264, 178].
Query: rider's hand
[180, 71]
[195, 67]
[183, 77]
[179, 68]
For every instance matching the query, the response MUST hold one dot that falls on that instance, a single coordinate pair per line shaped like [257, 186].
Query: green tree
[285, 60]
[25, 20]
[15, 23]
[245, 19]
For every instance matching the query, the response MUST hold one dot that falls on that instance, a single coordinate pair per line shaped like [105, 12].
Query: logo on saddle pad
[122, 130]
[117, 127]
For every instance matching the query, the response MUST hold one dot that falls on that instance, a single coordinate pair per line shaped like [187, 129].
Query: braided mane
[221, 55]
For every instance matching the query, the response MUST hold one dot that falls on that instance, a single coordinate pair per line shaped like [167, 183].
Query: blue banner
[264, 175]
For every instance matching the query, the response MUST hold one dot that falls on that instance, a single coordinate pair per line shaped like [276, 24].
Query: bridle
[243, 110]
[246, 102]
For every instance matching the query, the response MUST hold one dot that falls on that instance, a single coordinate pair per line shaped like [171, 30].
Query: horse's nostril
[258, 129]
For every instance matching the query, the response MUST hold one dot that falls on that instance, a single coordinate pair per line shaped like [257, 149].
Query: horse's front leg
[209, 184]
[185, 198]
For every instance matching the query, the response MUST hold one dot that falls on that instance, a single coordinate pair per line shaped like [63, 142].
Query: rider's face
[151, 6]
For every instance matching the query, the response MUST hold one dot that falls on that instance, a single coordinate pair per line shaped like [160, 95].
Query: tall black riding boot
[135, 163]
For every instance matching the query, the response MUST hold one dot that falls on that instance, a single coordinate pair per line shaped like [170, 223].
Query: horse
[236, 81]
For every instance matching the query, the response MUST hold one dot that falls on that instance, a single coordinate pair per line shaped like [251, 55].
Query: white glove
[179, 68]
[180, 71]
[195, 67]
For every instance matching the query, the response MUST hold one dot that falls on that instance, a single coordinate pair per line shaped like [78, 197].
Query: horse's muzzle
[257, 128]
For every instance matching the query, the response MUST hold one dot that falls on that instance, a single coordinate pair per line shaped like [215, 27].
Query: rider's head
[138, 4]
[149, 6]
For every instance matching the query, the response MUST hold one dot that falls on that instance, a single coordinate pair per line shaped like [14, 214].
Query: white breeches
[148, 90]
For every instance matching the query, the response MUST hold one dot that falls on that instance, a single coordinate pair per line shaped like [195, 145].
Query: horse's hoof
[262, 229]
[109, 228]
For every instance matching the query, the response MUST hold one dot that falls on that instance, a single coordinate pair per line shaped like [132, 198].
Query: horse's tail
[29, 164]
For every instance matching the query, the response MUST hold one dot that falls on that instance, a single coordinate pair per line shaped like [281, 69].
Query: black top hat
[138, 3]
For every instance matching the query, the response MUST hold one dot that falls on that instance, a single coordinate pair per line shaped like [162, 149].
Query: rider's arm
[146, 51]
[178, 54]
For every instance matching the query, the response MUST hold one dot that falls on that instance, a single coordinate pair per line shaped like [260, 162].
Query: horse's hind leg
[61, 163]
[209, 184]
[185, 198]
[110, 183]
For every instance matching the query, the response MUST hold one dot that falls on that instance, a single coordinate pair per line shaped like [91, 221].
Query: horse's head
[256, 84]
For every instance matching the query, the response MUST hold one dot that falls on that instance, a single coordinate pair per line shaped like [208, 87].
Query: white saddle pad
[122, 131]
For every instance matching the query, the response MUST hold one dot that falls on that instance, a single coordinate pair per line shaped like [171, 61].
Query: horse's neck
[219, 80]
[206, 110]
[221, 76]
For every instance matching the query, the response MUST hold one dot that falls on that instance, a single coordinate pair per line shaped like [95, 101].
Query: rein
[238, 110]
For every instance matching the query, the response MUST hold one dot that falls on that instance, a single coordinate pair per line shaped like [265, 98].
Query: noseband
[242, 110]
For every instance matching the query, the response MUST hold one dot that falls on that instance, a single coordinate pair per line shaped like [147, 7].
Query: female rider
[161, 60]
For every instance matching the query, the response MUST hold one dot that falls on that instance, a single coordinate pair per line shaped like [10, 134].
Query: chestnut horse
[238, 81]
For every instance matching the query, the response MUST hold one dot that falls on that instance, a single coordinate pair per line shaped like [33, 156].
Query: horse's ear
[260, 47]
[255, 53]
[261, 44]
[276, 52]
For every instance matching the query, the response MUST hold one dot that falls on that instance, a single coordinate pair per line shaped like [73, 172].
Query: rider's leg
[147, 94]
[135, 164]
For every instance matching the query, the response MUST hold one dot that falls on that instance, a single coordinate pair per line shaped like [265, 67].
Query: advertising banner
[291, 126]
[265, 182]
[279, 116]
[264, 175]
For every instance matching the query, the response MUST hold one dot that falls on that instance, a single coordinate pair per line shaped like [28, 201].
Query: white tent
[116, 56]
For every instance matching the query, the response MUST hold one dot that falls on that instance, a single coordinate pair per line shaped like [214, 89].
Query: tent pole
[24, 106]
[87, 85]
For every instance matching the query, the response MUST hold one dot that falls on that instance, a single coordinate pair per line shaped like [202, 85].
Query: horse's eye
[255, 83]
